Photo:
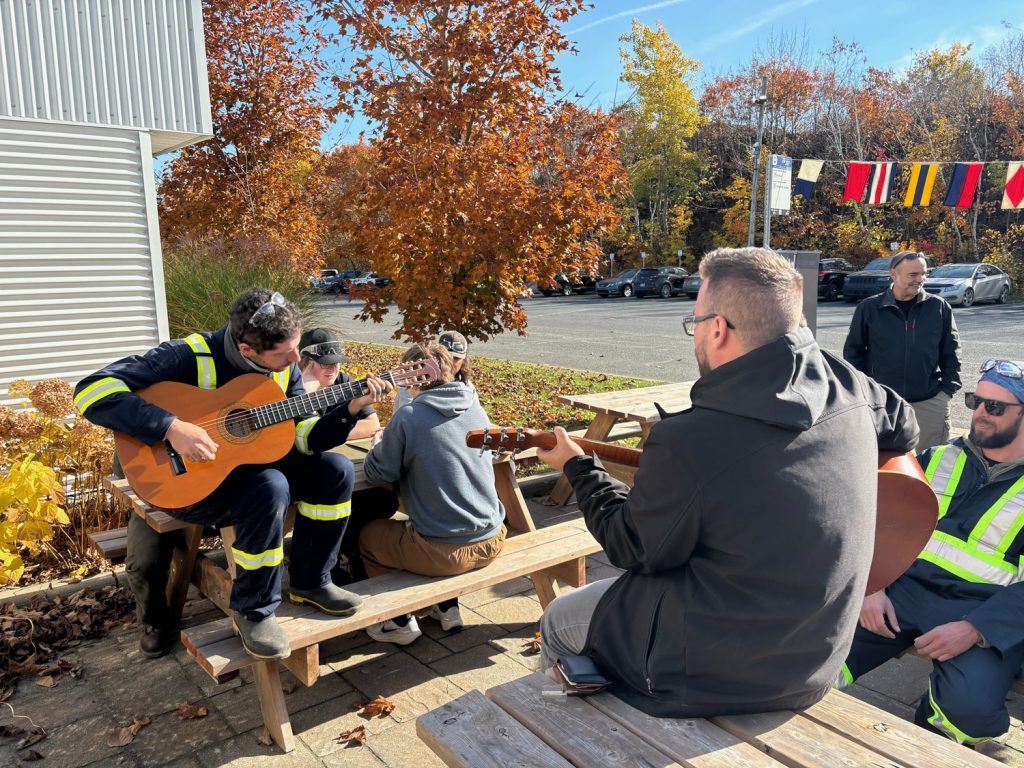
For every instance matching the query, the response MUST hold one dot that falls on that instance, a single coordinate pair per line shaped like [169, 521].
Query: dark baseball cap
[454, 342]
[323, 345]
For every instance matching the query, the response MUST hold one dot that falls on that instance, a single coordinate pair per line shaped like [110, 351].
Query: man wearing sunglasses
[906, 338]
[961, 603]
[744, 570]
[261, 336]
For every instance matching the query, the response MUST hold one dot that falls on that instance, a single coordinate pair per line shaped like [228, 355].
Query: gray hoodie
[447, 488]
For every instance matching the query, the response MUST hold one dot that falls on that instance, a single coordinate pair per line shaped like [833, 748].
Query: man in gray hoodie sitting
[447, 489]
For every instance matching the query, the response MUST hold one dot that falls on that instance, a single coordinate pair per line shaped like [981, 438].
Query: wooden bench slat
[694, 742]
[111, 545]
[799, 742]
[474, 732]
[574, 729]
[157, 519]
[394, 594]
[897, 739]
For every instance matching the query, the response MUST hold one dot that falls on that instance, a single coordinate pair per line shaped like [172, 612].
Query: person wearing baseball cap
[458, 348]
[321, 354]
[961, 604]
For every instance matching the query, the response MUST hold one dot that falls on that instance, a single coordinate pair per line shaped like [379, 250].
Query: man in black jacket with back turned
[907, 339]
[747, 537]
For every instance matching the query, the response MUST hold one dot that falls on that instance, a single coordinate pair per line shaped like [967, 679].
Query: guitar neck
[311, 402]
[509, 439]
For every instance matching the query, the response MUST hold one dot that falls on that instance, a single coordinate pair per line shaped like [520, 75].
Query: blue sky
[724, 34]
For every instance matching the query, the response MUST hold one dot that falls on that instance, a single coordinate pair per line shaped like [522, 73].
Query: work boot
[329, 598]
[262, 639]
[156, 641]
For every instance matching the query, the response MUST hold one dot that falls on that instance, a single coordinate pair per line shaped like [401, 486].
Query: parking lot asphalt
[644, 337]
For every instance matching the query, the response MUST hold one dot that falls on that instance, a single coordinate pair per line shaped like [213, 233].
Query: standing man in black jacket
[906, 339]
[744, 571]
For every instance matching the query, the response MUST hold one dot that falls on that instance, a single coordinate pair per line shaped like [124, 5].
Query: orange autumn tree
[250, 183]
[479, 176]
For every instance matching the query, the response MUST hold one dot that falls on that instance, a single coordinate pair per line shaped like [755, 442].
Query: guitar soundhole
[239, 424]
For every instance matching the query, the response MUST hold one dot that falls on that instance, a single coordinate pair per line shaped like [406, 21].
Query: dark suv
[831, 276]
[874, 278]
[567, 285]
[659, 281]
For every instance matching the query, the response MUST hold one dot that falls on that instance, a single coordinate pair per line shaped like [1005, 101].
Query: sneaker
[389, 632]
[451, 620]
[262, 639]
[329, 598]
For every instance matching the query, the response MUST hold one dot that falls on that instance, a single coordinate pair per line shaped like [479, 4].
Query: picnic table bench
[625, 405]
[548, 556]
[517, 724]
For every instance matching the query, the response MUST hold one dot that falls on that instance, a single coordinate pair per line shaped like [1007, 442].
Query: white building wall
[128, 63]
[81, 282]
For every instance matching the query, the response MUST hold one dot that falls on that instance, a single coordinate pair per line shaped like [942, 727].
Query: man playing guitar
[262, 336]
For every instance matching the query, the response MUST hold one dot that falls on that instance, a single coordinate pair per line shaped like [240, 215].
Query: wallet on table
[579, 675]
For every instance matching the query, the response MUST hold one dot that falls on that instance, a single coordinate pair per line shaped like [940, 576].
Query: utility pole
[758, 100]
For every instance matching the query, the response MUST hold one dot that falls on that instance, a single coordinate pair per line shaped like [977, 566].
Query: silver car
[965, 284]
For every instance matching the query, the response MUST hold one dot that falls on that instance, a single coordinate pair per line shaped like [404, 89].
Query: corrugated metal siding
[80, 276]
[131, 63]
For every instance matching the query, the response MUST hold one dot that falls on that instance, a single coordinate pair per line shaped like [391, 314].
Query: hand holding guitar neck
[377, 389]
[563, 450]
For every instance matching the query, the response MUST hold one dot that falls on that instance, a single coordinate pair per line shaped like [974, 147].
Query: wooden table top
[634, 404]
[519, 723]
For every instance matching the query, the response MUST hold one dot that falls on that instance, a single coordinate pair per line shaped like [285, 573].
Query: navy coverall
[969, 570]
[252, 498]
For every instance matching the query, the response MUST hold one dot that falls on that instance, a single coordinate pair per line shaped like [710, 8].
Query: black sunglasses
[992, 407]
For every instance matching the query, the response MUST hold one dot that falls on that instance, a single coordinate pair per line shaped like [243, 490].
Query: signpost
[777, 185]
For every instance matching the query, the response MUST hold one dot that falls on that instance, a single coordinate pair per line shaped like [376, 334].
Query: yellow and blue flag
[922, 180]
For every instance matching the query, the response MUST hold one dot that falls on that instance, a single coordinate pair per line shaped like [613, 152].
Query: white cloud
[767, 17]
[980, 37]
[621, 14]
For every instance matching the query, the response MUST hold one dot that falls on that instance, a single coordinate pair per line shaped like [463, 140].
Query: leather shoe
[155, 641]
[329, 598]
[262, 639]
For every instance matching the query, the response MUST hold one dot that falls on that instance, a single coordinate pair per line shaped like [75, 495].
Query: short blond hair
[435, 352]
[760, 292]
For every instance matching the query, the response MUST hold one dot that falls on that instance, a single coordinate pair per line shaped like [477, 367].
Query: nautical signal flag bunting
[963, 185]
[1013, 195]
[922, 180]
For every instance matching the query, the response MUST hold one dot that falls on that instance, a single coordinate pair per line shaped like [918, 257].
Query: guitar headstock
[507, 439]
[416, 373]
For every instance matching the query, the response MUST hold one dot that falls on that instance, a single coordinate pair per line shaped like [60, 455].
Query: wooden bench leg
[182, 565]
[598, 430]
[271, 697]
[516, 512]
[545, 583]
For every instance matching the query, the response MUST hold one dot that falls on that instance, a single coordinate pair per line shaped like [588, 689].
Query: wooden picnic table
[518, 724]
[624, 405]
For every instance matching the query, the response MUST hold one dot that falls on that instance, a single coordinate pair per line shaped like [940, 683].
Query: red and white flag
[1013, 194]
[880, 183]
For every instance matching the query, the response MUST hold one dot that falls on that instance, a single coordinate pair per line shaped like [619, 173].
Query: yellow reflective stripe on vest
[302, 430]
[206, 371]
[325, 511]
[283, 378]
[999, 526]
[957, 557]
[251, 562]
[97, 391]
[944, 472]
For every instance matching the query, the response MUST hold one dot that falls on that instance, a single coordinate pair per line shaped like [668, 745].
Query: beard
[997, 438]
[703, 366]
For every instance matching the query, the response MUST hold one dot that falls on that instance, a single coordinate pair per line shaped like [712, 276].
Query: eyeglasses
[690, 322]
[1007, 368]
[323, 349]
[992, 407]
[268, 309]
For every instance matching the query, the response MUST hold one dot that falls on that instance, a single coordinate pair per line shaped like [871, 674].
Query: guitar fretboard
[311, 402]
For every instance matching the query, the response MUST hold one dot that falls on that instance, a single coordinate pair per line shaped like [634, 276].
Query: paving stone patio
[119, 683]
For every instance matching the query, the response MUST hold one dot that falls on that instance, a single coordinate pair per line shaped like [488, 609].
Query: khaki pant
[390, 545]
[933, 419]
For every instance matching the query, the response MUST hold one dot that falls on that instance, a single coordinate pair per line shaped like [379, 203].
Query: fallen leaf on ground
[45, 681]
[34, 737]
[138, 723]
[356, 736]
[10, 731]
[379, 706]
[533, 646]
[31, 756]
[188, 711]
[264, 738]
[120, 737]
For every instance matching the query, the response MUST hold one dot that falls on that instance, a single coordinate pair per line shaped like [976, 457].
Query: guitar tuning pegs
[486, 445]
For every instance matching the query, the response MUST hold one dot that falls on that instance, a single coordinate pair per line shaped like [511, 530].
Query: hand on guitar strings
[191, 441]
[379, 389]
[564, 450]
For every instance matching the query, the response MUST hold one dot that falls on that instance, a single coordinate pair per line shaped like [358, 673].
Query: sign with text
[780, 177]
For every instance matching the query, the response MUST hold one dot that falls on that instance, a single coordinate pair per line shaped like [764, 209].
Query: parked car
[874, 278]
[569, 283]
[659, 281]
[327, 282]
[619, 285]
[965, 284]
[369, 280]
[691, 285]
[831, 276]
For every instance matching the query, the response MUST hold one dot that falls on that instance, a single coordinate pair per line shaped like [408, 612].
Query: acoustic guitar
[249, 418]
[907, 506]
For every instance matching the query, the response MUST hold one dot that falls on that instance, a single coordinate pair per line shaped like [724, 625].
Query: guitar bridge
[177, 463]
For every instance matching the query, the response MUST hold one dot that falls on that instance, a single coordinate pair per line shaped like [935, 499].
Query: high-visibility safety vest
[206, 370]
[982, 557]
